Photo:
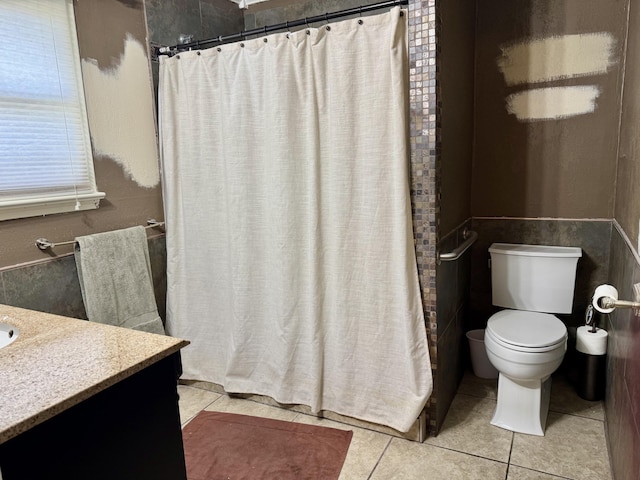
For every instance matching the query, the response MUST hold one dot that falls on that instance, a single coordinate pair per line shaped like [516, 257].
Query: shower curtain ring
[326, 17]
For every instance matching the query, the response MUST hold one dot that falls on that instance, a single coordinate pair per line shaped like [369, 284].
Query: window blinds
[46, 164]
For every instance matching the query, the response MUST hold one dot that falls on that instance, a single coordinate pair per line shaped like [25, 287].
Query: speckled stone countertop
[57, 362]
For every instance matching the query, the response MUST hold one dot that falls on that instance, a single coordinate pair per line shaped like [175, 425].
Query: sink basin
[8, 334]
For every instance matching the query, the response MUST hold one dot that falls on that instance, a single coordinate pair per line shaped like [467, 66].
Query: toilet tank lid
[535, 250]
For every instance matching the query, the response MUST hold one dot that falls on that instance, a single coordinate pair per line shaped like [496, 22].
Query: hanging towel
[115, 279]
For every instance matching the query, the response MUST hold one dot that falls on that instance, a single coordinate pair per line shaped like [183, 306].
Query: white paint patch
[557, 57]
[553, 103]
[120, 110]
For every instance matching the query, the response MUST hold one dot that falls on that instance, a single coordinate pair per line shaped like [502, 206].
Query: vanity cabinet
[85, 401]
[129, 431]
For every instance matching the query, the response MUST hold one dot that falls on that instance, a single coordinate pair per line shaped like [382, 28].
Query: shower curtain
[290, 259]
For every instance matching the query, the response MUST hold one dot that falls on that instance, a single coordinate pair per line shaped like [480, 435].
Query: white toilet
[526, 343]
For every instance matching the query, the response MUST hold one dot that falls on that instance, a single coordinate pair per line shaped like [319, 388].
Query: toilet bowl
[526, 348]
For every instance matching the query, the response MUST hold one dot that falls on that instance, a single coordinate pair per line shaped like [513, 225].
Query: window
[46, 165]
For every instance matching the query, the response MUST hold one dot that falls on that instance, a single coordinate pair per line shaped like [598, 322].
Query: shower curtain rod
[280, 26]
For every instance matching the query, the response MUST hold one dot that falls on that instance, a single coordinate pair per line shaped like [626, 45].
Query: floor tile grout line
[183, 424]
[449, 449]
[513, 437]
[211, 403]
[555, 475]
[576, 415]
[380, 457]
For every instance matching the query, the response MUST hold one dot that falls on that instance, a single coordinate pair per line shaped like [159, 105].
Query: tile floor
[467, 447]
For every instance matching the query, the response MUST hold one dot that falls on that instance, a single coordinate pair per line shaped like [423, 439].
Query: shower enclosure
[436, 226]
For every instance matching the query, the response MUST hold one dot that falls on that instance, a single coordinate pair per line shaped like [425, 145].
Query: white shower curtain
[291, 264]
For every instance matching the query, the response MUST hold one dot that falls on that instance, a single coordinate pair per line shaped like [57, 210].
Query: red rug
[240, 447]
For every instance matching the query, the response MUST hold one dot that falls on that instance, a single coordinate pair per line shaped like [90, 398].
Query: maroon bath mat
[241, 447]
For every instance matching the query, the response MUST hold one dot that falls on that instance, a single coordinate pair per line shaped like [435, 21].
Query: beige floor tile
[478, 387]
[519, 473]
[467, 429]
[564, 399]
[412, 434]
[365, 449]
[192, 400]
[247, 407]
[406, 460]
[573, 447]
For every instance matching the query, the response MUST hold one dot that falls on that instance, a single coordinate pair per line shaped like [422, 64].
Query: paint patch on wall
[553, 103]
[120, 109]
[557, 57]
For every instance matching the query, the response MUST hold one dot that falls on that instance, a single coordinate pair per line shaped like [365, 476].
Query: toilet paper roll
[601, 292]
[591, 343]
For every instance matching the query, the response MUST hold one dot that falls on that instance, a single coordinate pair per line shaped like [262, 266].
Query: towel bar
[44, 244]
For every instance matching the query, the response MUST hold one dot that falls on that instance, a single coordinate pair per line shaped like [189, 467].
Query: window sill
[13, 209]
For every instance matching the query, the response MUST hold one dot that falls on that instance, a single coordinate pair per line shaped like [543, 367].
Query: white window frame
[78, 191]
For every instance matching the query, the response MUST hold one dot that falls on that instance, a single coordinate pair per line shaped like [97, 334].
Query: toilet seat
[526, 331]
[529, 350]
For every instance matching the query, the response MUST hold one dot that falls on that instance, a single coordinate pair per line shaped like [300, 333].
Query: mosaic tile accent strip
[424, 137]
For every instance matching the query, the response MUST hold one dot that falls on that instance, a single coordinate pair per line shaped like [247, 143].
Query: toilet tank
[537, 278]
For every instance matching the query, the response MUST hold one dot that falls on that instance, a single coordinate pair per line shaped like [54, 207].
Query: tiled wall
[425, 145]
[52, 286]
[168, 19]
[260, 15]
[204, 19]
[623, 368]
[452, 312]
[592, 236]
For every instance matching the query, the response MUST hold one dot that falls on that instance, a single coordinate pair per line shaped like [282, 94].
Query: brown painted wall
[456, 93]
[102, 27]
[552, 168]
[627, 208]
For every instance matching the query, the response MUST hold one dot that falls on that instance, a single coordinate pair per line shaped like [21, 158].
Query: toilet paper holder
[610, 302]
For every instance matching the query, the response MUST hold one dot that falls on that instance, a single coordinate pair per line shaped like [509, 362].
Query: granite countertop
[57, 362]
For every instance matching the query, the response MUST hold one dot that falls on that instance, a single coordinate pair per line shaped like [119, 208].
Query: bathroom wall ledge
[58, 362]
